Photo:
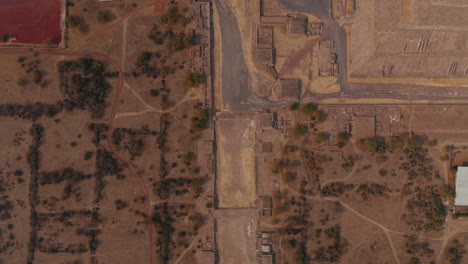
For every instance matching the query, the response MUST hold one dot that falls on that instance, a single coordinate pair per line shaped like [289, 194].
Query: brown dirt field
[366, 242]
[61, 257]
[404, 257]
[88, 10]
[52, 197]
[406, 12]
[12, 72]
[73, 127]
[14, 141]
[124, 237]
[57, 233]
[109, 42]
[242, 248]
[372, 227]
[236, 164]
[437, 119]
[386, 34]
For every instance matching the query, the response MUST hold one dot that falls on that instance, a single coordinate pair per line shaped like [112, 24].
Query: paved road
[235, 76]
[234, 71]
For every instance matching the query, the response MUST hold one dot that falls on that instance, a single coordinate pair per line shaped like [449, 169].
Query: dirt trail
[150, 109]
[124, 45]
[386, 230]
[105, 29]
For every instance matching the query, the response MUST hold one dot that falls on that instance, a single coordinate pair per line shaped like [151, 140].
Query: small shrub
[289, 149]
[299, 130]
[321, 137]
[375, 145]
[294, 106]
[200, 122]
[320, 116]
[432, 143]
[194, 79]
[289, 177]
[105, 16]
[309, 108]
[37, 76]
[22, 82]
[383, 172]
[5, 38]
[88, 155]
[155, 92]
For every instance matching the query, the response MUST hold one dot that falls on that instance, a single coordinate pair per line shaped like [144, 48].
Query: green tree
[321, 137]
[194, 79]
[294, 106]
[5, 37]
[105, 16]
[320, 116]
[309, 108]
[375, 145]
[155, 92]
[300, 130]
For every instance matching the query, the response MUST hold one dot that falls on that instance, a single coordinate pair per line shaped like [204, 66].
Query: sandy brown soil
[236, 165]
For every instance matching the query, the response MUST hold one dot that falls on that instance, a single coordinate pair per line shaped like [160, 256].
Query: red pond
[31, 21]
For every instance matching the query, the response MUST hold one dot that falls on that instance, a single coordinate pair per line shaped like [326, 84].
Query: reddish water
[31, 21]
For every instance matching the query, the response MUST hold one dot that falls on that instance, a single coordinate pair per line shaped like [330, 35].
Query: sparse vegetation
[426, 210]
[104, 16]
[299, 130]
[320, 116]
[83, 82]
[173, 16]
[194, 79]
[375, 145]
[309, 108]
[294, 106]
[200, 122]
[456, 252]
[321, 137]
[78, 23]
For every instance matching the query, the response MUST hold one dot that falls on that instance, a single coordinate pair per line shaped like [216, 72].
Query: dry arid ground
[101, 156]
[338, 197]
[236, 168]
[119, 146]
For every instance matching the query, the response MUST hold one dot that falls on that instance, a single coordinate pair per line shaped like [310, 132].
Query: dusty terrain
[157, 135]
[363, 195]
[113, 174]
[236, 167]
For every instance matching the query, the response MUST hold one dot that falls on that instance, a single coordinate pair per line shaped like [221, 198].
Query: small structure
[297, 26]
[264, 37]
[265, 121]
[326, 44]
[314, 29]
[327, 59]
[265, 56]
[266, 206]
[265, 248]
[273, 73]
[461, 189]
[266, 147]
[199, 59]
[267, 259]
[290, 89]
[363, 127]
[342, 8]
